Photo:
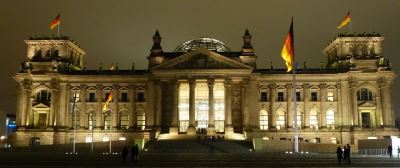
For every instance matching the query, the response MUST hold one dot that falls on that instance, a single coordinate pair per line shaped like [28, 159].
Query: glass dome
[203, 42]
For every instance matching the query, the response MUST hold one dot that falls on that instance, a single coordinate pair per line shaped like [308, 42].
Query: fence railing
[373, 152]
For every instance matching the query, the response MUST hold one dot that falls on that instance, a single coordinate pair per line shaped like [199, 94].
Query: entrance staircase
[197, 144]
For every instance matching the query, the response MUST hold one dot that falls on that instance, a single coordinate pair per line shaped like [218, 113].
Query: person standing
[136, 153]
[390, 149]
[344, 154]
[133, 154]
[124, 153]
[348, 153]
[339, 153]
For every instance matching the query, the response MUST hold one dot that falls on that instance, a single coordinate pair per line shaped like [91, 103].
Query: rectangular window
[124, 97]
[264, 96]
[281, 96]
[92, 97]
[314, 96]
[298, 96]
[140, 97]
[330, 96]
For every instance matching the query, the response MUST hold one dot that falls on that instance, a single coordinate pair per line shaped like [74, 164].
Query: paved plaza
[251, 159]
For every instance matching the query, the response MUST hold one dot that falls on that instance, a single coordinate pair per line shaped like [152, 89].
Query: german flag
[109, 98]
[288, 49]
[55, 22]
[346, 20]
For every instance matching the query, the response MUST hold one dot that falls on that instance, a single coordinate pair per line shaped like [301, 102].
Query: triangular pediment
[366, 104]
[201, 59]
[40, 105]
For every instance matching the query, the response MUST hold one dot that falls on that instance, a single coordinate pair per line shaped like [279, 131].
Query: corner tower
[361, 52]
[52, 54]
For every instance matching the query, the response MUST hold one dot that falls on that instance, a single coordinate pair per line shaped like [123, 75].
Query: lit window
[263, 120]
[330, 118]
[141, 121]
[92, 120]
[107, 120]
[124, 120]
[333, 140]
[313, 120]
[280, 122]
[330, 96]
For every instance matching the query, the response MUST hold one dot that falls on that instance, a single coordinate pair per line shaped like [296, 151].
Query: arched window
[314, 119]
[364, 94]
[330, 118]
[280, 119]
[124, 120]
[92, 120]
[263, 120]
[43, 96]
[107, 120]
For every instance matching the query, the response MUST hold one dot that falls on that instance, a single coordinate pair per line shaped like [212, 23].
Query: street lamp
[76, 99]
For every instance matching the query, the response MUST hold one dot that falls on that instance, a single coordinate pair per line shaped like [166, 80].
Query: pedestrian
[398, 151]
[390, 149]
[344, 154]
[136, 153]
[339, 154]
[348, 154]
[133, 154]
[124, 153]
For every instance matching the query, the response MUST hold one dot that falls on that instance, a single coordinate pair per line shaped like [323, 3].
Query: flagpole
[58, 30]
[110, 130]
[74, 112]
[296, 133]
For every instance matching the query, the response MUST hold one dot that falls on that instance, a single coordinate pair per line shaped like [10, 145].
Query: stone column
[211, 110]
[174, 107]
[83, 120]
[306, 99]
[115, 111]
[99, 112]
[228, 106]
[272, 116]
[386, 101]
[253, 93]
[30, 112]
[132, 109]
[245, 105]
[150, 102]
[192, 123]
[338, 114]
[62, 106]
[158, 104]
[345, 102]
[289, 97]
[53, 103]
[323, 97]
[21, 106]
[353, 92]
[68, 107]
[378, 112]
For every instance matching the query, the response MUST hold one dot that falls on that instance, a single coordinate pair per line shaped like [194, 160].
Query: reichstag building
[204, 88]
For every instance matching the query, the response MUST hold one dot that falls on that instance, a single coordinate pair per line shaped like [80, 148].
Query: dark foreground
[251, 159]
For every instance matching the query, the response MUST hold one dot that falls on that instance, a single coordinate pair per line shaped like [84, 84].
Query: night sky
[120, 31]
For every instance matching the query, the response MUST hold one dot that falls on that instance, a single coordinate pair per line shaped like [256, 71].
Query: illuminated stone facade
[204, 88]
